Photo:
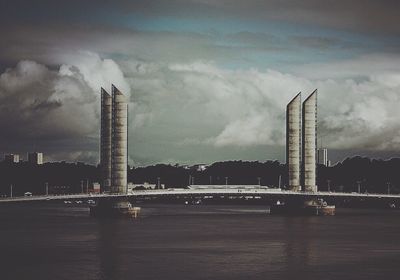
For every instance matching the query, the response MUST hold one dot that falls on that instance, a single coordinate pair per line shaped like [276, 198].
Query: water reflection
[108, 249]
[298, 250]
[196, 243]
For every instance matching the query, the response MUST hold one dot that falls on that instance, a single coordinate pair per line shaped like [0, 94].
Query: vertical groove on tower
[105, 140]
[119, 141]
[293, 141]
[309, 142]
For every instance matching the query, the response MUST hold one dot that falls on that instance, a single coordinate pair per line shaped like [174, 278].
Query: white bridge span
[202, 192]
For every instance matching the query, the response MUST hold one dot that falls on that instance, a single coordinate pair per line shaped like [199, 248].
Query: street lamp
[359, 186]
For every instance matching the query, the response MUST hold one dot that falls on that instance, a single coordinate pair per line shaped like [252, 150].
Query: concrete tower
[293, 140]
[105, 140]
[119, 139]
[309, 143]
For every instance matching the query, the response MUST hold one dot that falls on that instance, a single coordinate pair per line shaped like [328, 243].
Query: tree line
[352, 175]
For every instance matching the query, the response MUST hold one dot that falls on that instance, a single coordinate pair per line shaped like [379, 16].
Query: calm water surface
[57, 241]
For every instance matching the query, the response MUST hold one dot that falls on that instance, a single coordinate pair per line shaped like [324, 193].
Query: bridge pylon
[301, 143]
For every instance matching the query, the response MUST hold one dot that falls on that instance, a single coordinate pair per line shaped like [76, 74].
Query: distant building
[35, 158]
[95, 188]
[323, 157]
[11, 158]
[200, 167]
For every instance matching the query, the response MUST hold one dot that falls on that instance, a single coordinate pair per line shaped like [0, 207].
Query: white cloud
[246, 132]
[247, 107]
[177, 108]
[95, 71]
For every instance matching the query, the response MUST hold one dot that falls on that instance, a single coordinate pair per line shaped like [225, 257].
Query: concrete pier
[113, 208]
[303, 207]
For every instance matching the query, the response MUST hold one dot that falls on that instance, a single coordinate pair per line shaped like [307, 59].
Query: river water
[57, 241]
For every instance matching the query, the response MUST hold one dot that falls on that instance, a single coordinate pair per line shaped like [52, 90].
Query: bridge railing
[175, 191]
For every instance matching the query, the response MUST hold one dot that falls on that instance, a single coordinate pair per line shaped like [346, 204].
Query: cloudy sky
[208, 80]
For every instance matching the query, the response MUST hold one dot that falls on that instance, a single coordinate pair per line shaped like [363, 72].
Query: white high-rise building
[35, 158]
[11, 158]
[323, 156]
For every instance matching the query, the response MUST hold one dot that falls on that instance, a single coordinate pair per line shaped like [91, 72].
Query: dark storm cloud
[55, 111]
[41, 30]
[359, 15]
[44, 30]
[46, 43]
[51, 45]
[32, 103]
[316, 42]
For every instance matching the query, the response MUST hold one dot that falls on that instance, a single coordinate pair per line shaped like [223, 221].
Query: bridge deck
[228, 191]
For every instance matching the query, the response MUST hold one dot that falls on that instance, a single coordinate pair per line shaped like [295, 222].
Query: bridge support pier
[114, 207]
[303, 207]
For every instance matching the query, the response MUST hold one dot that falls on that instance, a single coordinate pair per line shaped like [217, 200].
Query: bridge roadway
[271, 192]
